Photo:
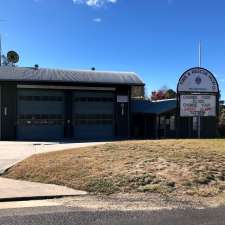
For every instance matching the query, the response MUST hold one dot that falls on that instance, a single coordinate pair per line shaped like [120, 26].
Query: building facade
[194, 114]
[47, 104]
[50, 104]
[154, 119]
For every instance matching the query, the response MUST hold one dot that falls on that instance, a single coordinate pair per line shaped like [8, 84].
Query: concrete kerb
[20, 199]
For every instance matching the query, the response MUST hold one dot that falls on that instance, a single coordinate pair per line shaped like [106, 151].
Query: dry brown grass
[168, 167]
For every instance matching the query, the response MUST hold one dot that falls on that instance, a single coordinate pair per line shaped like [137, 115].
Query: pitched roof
[74, 76]
[157, 107]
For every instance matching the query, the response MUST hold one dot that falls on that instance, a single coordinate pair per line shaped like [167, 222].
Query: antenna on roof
[13, 57]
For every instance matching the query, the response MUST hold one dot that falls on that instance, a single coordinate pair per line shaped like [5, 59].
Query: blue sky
[158, 39]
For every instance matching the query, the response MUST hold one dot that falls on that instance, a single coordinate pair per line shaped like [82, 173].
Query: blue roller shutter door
[40, 114]
[93, 115]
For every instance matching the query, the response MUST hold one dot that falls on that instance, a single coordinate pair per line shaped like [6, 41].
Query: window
[38, 119]
[93, 99]
[172, 123]
[93, 119]
[162, 122]
[41, 98]
[137, 92]
[167, 121]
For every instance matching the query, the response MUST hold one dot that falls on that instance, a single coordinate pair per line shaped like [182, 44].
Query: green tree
[222, 121]
[170, 93]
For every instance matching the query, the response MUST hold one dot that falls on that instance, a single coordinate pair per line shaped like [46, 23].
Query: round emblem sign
[198, 80]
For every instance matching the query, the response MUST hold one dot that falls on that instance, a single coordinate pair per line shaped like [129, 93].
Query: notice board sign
[197, 105]
[197, 97]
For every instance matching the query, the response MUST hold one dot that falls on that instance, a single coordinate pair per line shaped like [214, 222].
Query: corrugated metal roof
[157, 107]
[74, 76]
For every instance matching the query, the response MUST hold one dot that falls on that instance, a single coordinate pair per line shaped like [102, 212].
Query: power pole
[0, 50]
[200, 54]
[1, 21]
[200, 65]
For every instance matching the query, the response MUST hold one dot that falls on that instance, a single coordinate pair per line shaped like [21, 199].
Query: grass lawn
[167, 167]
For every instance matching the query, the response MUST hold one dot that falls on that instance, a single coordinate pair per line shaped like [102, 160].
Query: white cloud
[97, 20]
[94, 3]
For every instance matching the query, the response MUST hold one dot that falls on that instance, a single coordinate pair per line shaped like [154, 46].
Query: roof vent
[93, 68]
[36, 66]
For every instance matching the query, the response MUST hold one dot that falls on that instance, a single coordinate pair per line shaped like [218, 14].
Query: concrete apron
[16, 190]
[12, 153]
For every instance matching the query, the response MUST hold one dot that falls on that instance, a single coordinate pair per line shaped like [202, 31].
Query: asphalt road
[71, 216]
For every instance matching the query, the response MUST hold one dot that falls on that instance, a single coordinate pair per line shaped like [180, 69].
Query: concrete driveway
[13, 190]
[14, 152]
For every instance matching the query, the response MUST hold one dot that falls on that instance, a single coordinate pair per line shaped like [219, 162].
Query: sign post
[199, 125]
[198, 95]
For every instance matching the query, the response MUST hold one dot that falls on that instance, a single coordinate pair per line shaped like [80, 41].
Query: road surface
[59, 215]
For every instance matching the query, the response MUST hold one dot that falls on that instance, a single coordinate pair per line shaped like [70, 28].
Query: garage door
[40, 114]
[93, 115]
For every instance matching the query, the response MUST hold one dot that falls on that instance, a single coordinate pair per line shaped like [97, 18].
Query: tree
[163, 93]
[170, 93]
[222, 120]
[157, 95]
[222, 116]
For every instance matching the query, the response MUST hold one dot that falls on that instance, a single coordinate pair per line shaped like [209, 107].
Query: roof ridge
[72, 70]
[64, 75]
